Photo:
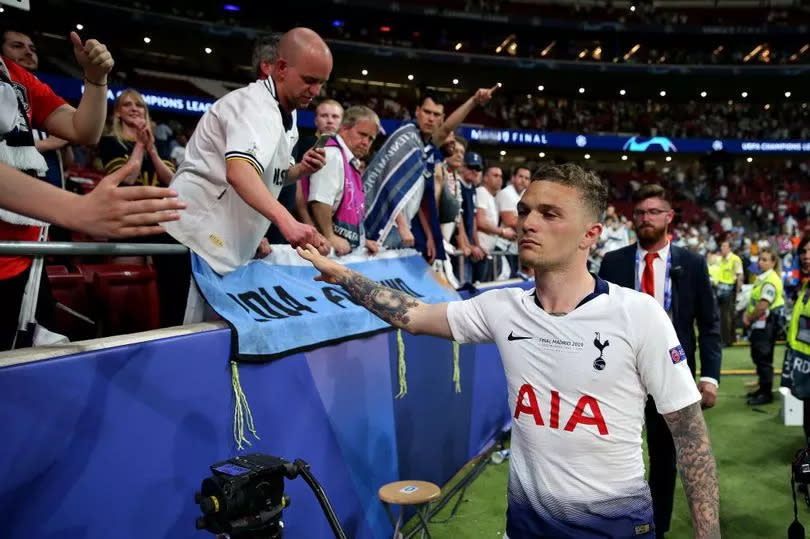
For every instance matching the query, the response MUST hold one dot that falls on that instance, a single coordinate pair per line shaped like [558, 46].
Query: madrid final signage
[525, 137]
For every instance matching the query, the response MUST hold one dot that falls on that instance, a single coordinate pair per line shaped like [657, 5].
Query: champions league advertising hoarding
[660, 144]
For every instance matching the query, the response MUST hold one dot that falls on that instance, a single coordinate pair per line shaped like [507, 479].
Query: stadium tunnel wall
[115, 439]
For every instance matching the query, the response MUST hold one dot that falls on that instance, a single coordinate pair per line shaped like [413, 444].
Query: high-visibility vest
[714, 272]
[728, 266]
[769, 277]
[801, 309]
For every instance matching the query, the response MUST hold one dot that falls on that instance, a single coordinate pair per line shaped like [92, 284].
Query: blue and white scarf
[392, 178]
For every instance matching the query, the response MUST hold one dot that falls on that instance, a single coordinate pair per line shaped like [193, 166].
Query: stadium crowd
[741, 120]
[465, 221]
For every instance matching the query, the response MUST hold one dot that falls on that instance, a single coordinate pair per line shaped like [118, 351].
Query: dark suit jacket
[692, 301]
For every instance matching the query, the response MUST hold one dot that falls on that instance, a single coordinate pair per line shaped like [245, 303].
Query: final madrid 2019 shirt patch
[677, 354]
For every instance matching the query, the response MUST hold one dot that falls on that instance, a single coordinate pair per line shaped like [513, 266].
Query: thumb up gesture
[95, 59]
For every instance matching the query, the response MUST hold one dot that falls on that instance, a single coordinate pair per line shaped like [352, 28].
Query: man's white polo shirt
[246, 124]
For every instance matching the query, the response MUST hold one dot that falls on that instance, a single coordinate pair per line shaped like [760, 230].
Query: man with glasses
[679, 281]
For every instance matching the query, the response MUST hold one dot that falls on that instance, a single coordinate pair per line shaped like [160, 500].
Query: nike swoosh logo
[512, 337]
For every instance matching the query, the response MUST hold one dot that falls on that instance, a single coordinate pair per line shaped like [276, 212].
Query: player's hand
[93, 57]
[483, 95]
[407, 237]
[313, 161]
[331, 271]
[264, 249]
[373, 247]
[109, 211]
[477, 253]
[340, 245]
[708, 392]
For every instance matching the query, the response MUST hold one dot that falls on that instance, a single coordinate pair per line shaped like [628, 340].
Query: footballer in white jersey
[580, 356]
[577, 386]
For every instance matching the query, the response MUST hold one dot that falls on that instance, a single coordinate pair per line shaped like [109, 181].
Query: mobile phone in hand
[322, 140]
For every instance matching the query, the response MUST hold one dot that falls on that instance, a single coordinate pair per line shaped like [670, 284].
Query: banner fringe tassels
[242, 416]
[403, 382]
[456, 368]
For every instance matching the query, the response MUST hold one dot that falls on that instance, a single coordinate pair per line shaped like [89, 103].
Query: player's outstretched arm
[698, 469]
[397, 308]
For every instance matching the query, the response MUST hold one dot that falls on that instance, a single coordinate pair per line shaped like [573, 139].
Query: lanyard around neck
[667, 278]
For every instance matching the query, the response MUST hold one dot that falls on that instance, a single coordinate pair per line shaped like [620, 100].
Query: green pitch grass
[753, 451]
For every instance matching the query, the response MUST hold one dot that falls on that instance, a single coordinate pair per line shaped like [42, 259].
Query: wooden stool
[419, 493]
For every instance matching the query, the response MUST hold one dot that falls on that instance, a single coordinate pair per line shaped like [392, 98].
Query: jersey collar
[286, 117]
[600, 287]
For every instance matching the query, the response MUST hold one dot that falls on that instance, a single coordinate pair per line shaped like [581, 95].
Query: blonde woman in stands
[131, 132]
[132, 126]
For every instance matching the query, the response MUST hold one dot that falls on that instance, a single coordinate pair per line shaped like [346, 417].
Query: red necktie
[648, 276]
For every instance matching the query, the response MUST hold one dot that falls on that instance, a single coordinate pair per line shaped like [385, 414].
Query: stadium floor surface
[753, 451]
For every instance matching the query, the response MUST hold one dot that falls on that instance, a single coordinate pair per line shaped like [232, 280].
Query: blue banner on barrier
[275, 307]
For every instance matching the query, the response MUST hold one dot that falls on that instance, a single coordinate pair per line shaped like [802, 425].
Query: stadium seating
[70, 292]
[125, 297]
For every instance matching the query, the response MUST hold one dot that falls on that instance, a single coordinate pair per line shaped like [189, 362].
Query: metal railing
[42, 249]
[60, 248]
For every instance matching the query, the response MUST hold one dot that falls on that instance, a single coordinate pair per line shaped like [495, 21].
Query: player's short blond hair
[592, 189]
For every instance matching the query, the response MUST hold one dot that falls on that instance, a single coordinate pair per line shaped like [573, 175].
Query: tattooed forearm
[391, 305]
[698, 469]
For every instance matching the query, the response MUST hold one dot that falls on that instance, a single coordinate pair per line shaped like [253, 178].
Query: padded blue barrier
[113, 443]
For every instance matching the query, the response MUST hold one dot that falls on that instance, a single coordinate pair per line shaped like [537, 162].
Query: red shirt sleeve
[41, 99]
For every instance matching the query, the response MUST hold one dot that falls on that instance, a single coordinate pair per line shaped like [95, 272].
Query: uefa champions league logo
[634, 145]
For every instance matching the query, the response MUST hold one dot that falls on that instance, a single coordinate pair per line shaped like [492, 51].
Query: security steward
[764, 315]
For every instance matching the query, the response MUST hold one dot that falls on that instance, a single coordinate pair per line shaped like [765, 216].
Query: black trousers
[763, 341]
[483, 270]
[728, 328]
[11, 292]
[663, 469]
[173, 275]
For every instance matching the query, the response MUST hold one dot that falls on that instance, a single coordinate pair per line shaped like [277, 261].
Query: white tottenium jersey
[246, 125]
[577, 385]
